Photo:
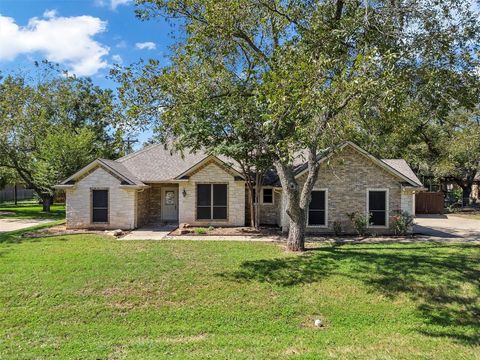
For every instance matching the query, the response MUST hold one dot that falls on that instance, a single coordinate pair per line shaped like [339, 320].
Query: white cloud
[146, 45]
[122, 44]
[50, 14]
[65, 40]
[117, 59]
[113, 4]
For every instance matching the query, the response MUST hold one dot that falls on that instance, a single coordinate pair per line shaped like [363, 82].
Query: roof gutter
[64, 187]
[134, 187]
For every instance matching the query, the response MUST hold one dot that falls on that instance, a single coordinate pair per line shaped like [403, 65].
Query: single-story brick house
[155, 185]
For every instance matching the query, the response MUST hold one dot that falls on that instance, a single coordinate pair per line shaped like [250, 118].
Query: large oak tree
[297, 66]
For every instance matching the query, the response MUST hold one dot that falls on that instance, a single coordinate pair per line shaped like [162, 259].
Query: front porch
[158, 205]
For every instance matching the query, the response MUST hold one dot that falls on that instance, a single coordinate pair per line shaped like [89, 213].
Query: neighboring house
[450, 185]
[447, 186]
[155, 185]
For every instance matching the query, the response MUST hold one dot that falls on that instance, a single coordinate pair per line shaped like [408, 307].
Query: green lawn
[31, 211]
[473, 216]
[88, 297]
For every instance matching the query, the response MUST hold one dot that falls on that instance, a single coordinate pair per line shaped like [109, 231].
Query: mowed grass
[472, 216]
[90, 297]
[31, 211]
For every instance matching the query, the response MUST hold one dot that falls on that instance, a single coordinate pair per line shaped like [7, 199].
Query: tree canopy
[52, 124]
[285, 76]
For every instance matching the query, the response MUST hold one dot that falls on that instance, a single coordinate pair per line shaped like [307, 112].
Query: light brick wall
[122, 209]
[269, 213]
[212, 173]
[347, 177]
[408, 201]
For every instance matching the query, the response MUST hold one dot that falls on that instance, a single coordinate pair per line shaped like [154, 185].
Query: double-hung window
[99, 206]
[211, 201]
[317, 210]
[267, 196]
[378, 207]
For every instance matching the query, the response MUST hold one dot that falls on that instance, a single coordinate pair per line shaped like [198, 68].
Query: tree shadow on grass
[443, 280]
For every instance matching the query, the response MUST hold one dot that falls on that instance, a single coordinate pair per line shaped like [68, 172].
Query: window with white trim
[317, 210]
[267, 196]
[377, 207]
[211, 201]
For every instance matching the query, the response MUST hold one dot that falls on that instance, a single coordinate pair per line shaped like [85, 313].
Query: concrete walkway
[17, 224]
[149, 232]
[428, 228]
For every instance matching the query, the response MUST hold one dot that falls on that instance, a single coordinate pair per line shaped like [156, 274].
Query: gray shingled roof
[155, 163]
[403, 168]
[122, 170]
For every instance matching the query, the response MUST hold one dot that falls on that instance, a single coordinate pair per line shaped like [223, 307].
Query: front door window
[169, 198]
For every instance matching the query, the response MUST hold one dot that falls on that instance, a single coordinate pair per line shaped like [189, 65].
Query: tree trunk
[258, 187]
[466, 191]
[298, 199]
[466, 186]
[47, 201]
[251, 201]
[296, 233]
[15, 193]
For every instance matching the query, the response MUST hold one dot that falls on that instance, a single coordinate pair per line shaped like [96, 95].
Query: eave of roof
[205, 160]
[109, 165]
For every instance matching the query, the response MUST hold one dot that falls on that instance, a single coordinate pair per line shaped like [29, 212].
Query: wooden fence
[429, 203]
[8, 193]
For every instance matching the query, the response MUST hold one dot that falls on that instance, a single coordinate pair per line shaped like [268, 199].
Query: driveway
[447, 226]
[17, 224]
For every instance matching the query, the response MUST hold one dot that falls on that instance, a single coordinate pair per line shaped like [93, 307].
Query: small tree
[197, 106]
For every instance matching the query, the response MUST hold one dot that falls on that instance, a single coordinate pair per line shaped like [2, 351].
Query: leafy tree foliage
[281, 77]
[52, 124]
[434, 99]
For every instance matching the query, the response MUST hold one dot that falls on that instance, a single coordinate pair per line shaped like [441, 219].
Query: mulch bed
[225, 231]
[58, 230]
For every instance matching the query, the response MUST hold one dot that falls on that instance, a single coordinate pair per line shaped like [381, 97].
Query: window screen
[317, 209]
[268, 196]
[377, 207]
[212, 201]
[204, 201]
[99, 206]
[219, 201]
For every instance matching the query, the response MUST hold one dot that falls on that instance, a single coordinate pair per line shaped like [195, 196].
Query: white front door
[170, 204]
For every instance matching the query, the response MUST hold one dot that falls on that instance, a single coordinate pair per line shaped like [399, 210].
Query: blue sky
[84, 36]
